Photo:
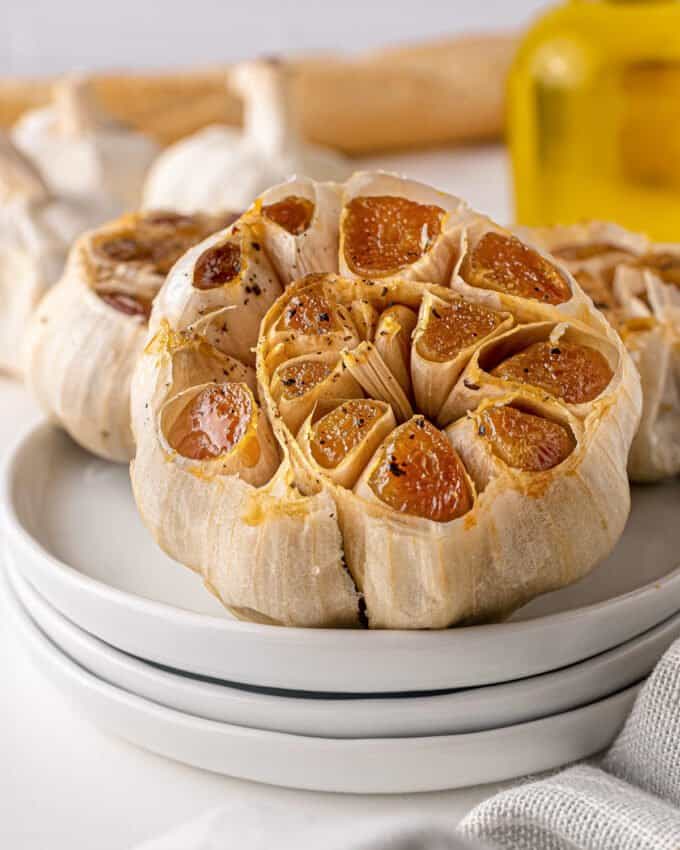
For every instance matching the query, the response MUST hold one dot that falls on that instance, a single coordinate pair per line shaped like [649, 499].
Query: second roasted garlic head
[433, 430]
[85, 335]
[636, 285]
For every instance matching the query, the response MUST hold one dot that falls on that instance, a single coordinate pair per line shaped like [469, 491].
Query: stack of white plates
[144, 651]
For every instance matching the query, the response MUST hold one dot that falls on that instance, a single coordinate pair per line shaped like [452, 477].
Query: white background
[48, 36]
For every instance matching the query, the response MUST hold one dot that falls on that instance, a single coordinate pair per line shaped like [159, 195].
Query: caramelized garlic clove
[502, 263]
[311, 320]
[570, 371]
[514, 436]
[391, 226]
[342, 440]
[556, 360]
[223, 286]
[446, 336]
[299, 223]
[218, 429]
[298, 384]
[417, 472]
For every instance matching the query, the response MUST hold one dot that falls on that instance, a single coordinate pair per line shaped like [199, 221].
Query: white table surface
[65, 784]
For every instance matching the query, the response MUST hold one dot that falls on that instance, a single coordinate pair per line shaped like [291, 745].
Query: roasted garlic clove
[391, 226]
[340, 442]
[446, 337]
[566, 361]
[311, 321]
[504, 273]
[635, 284]
[514, 436]
[299, 383]
[299, 225]
[417, 472]
[88, 331]
[220, 289]
[220, 428]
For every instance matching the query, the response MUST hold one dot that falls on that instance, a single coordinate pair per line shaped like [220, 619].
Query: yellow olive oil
[594, 116]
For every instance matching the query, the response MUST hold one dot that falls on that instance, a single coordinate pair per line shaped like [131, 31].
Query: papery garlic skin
[236, 536]
[80, 351]
[228, 314]
[230, 168]
[36, 229]
[474, 550]
[83, 153]
[616, 268]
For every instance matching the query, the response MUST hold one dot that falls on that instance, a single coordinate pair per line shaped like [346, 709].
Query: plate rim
[14, 526]
[298, 659]
[39, 610]
[71, 675]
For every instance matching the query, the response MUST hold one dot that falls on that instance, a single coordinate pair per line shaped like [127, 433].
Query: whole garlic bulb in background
[223, 168]
[82, 152]
[36, 230]
[87, 332]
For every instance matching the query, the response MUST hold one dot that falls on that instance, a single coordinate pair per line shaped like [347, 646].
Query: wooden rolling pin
[404, 97]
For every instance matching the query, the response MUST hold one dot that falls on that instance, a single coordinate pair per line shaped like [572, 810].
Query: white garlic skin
[80, 354]
[80, 350]
[84, 153]
[235, 535]
[230, 168]
[36, 231]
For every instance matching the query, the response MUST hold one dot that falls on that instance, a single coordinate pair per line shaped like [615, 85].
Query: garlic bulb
[36, 229]
[636, 284]
[82, 152]
[415, 453]
[223, 168]
[87, 332]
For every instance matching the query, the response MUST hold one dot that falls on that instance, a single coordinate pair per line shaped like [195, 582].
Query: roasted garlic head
[87, 332]
[636, 284]
[433, 430]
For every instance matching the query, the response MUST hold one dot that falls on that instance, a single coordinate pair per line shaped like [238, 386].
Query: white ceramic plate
[72, 528]
[360, 765]
[469, 710]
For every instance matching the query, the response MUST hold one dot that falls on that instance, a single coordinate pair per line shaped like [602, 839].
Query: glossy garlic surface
[636, 285]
